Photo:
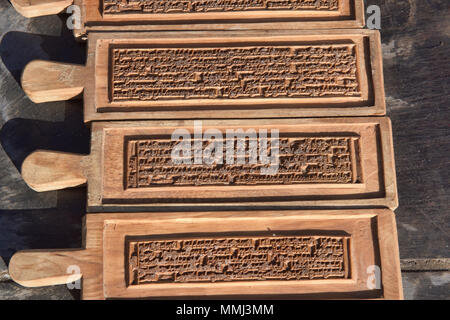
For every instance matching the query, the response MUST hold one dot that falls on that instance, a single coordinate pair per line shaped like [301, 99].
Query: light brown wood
[389, 251]
[36, 268]
[45, 81]
[295, 74]
[106, 260]
[354, 168]
[37, 8]
[48, 170]
[100, 15]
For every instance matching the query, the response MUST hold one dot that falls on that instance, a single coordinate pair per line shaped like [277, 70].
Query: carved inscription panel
[205, 6]
[238, 259]
[149, 162]
[256, 72]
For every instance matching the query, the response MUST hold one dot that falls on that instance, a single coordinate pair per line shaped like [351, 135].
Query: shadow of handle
[38, 8]
[50, 170]
[46, 81]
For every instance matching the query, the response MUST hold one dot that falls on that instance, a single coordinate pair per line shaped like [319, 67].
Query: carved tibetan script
[257, 72]
[149, 163]
[199, 6]
[238, 259]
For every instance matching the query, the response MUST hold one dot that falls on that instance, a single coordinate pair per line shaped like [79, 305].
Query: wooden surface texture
[319, 162]
[370, 241]
[415, 44]
[281, 74]
[114, 15]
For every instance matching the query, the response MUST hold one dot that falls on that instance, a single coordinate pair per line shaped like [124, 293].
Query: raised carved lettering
[257, 72]
[301, 160]
[205, 6]
[238, 259]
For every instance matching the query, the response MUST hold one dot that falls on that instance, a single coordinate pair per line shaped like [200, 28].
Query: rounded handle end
[38, 8]
[49, 171]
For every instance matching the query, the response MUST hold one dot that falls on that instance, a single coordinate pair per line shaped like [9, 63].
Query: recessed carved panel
[238, 259]
[299, 160]
[309, 254]
[158, 15]
[205, 6]
[145, 74]
[235, 75]
[305, 162]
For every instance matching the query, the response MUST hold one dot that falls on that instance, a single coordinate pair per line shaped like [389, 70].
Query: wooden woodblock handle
[37, 268]
[37, 8]
[49, 170]
[45, 81]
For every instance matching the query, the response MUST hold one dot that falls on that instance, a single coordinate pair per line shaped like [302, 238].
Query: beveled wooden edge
[377, 109]
[390, 174]
[35, 268]
[390, 257]
[48, 170]
[114, 142]
[94, 23]
[362, 253]
[390, 200]
[386, 230]
[102, 89]
[49, 7]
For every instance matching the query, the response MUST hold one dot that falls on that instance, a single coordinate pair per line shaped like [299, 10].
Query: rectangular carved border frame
[349, 15]
[106, 172]
[97, 105]
[373, 243]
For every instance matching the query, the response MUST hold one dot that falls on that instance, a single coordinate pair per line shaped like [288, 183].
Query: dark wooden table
[416, 39]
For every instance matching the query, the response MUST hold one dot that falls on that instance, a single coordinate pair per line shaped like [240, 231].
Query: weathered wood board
[311, 254]
[141, 15]
[193, 75]
[311, 162]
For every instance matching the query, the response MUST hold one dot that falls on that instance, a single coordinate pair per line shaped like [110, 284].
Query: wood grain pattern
[45, 81]
[37, 8]
[36, 268]
[104, 269]
[115, 15]
[332, 162]
[45, 171]
[415, 100]
[222, 75]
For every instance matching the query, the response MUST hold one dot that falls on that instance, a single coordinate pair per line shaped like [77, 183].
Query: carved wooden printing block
[214, 74]
[308, 162]
[322, 254]
[134, 15]
[219, 75]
